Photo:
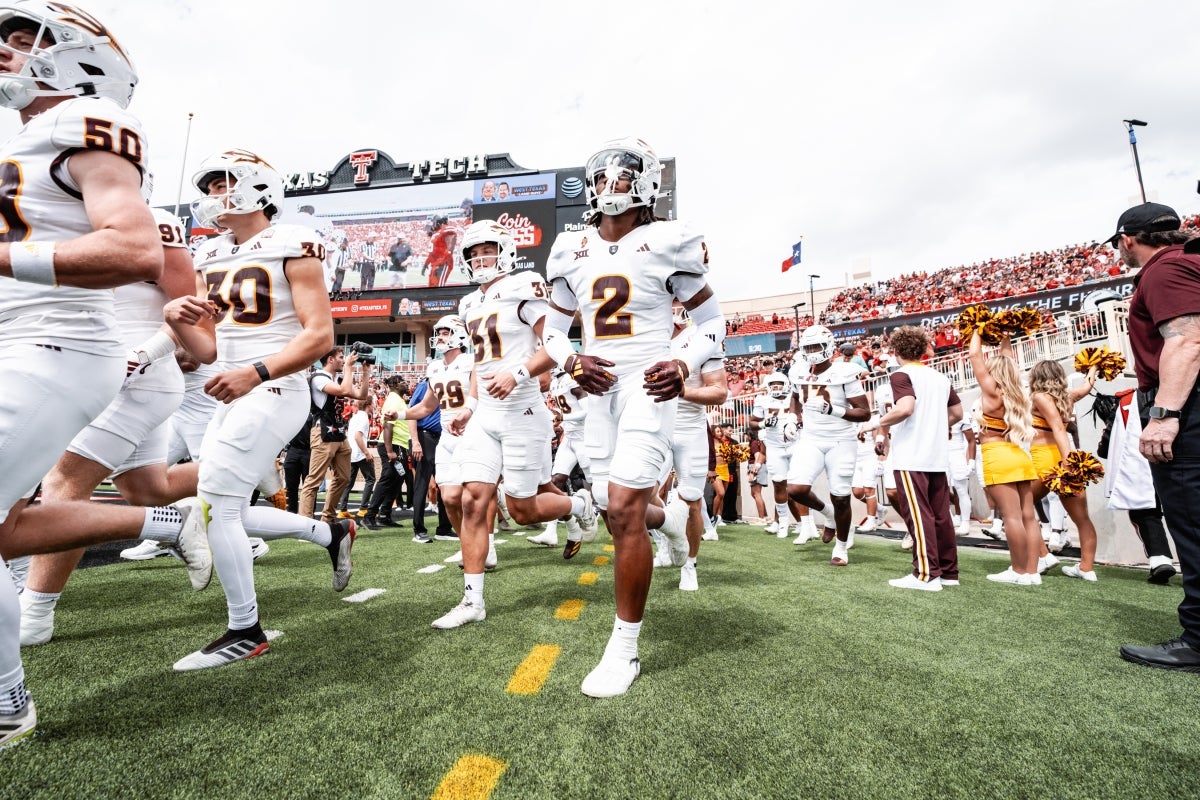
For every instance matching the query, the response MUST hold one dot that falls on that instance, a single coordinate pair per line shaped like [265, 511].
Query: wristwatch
[1158, 412]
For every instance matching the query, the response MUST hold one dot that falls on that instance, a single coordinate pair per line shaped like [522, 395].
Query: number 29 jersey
[39, 201]
[623, 289]
[256, 316]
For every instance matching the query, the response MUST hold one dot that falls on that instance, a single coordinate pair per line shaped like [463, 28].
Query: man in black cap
[1164, 333]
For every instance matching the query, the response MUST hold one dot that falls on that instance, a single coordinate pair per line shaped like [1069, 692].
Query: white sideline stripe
[454, 559]
[431, 569]
[364, 595]
[505, 541]
[272, 635]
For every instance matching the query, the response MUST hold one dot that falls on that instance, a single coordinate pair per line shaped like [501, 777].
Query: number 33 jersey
[39, 201]
[623, 289]
[256, 316]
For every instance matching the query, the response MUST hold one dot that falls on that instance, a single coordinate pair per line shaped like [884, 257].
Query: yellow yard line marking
[609, 548]
[473, 777]
[569, 609]
[600, 561]
[534, 670]
[588, 579]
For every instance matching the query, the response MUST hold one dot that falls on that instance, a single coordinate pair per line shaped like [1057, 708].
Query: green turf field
[782, 677]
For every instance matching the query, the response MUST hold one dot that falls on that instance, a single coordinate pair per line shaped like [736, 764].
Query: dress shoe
[1171, 654]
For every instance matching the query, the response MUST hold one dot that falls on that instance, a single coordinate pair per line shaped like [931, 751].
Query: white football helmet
[778, 385]
[482, 232]
[820, 338]
[72, 53]
[455, 338]
[627, 158]
[680, 316]
[253, 185]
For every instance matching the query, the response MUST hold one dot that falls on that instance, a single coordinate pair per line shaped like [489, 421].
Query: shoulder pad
[97, 123]
[297, 241]
[170, 228]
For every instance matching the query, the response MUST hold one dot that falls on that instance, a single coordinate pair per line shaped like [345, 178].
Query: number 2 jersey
[623, 289]
[40, 201]
[256, 316]
[500, 321]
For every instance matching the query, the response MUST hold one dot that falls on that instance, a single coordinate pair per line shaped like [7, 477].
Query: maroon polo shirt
[1167, 287]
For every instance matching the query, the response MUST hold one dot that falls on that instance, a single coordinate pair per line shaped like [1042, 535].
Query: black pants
[366, 468]
[295, 470]
[1176, 483]
[388, 485]
[1148, 524]
[426, 469]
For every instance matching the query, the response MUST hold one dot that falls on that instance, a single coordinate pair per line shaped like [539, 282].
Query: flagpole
[183, 162]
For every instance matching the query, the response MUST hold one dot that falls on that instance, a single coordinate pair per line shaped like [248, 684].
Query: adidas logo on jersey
[645, 248]
[528, 412]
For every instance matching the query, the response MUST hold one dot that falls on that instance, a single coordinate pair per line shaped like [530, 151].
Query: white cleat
[1058, 540]
[772, 527]
[193, 542]
[37, 623]
[911, 581]
[840, 557]
[964, 527]
[1009, 576]
[144, 551]
[849, 540]
[1070, 570]
[588, 519]
[687, 578]
[226, 650]
[454, 559]
[1046, 562]
[675, 528]
[907, 542]
[802, 535]
[258, 548]
[15, 728]
[662, 549]
[547, 538]
[867, 525]
[491, 561]
[611, 678]
[460, 615]
[709, 536]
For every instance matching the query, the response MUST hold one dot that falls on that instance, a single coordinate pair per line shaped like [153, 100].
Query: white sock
[623, 644]
[473, 589]
[273, 523]
[13, 697]
[19, 569]
[162, 524]
[781, 510]
[691, 562]
[708, 523]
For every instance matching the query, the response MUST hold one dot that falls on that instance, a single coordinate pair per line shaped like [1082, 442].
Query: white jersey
[623, 289]
[767, 408]
[501, 327]
[689, 413]
[572, 407]
[836, 385]
[256, 316]
[452, 384]
[40, 201]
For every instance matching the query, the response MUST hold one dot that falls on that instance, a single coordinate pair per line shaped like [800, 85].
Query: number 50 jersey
[256, 316]
[39, 201]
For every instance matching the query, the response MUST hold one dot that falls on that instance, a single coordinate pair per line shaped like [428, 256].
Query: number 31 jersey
[623, 289]
[256, 316]
[500, 320]
[39, 201]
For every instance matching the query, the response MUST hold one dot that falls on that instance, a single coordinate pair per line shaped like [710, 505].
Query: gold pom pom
[1109, 364]
[979, 319]
[1020, 320]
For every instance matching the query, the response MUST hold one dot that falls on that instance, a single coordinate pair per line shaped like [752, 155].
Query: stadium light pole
[1130, 124]
[796, 311]
[812, 304]
[183, 163]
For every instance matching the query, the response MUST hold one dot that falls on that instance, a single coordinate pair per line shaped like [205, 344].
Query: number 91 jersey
[623, 289]
[256, 316]
[39, 201]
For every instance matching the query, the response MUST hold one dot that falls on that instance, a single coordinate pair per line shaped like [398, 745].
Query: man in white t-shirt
[926, 405]
[362, 462]
[328, 437]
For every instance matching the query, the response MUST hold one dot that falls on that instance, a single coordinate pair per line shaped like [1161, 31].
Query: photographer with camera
[328, 420]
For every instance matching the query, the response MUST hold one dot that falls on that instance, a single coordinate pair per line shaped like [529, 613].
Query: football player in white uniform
[708, 386]
[272, 321]
[129, 438]
[960, 469]
[74, 227]
[571, 403]
[772, 417]
[449, 376]
[621, 272]
[830, 397]
[506, 428]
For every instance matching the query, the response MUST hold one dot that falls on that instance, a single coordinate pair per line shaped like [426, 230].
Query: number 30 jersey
[623, 289]
[500, 320]
[39, 201]
[256, 316]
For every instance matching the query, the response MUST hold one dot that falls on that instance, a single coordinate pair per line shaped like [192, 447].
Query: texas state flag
[788, 263]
